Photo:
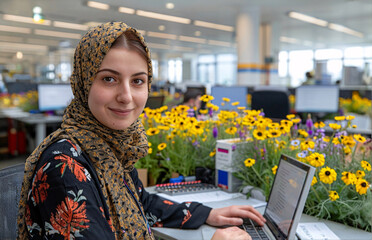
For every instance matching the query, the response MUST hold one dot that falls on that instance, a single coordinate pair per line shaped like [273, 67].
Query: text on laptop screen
[285, 195]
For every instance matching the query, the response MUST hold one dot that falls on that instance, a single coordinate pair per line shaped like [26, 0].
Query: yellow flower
[161, 146]
[359, 138]
[319, 125]
[150, 151]
[152, 131]
[273, 133]
[231, 130]
[350, 117]
[259, 134]
[226, 99]
[249, 162]
[366, 165]
[235, 103]
[340, 118]
[334, 126]
[327, 175]
[211, 154]
[316, 159]
[206, 98]
[362, 186]
[347, 150]
[241, 108]
[333, 195]
[303, 132]
[290, 116]
[360, 174]
[149, 143]
[348, 178]
[203, 111]
[314, 181]
[274, 169]
[307, 144]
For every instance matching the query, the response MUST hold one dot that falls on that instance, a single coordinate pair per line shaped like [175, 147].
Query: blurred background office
[205, 44]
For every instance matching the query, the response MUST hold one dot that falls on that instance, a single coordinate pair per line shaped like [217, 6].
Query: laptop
[286, 201]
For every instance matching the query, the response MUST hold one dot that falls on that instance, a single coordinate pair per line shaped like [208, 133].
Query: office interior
[285, 57]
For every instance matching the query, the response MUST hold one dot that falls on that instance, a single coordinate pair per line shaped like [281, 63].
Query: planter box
[362, 121]
[226, 152]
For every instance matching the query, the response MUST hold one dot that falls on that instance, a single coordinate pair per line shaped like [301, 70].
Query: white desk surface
[205, 232]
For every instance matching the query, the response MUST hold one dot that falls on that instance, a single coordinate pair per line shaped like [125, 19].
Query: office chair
[10, 189]
[274, 103]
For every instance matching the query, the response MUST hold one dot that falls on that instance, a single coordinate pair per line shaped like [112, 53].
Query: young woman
[80, 182]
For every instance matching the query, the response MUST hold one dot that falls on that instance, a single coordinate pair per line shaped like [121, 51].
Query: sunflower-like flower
[152, 131]
[259, 134]
[333, 195]
[359, 138]
[235, 103]
[206, 98]
[365, 165]
[334, 126]
[316, 159]
[226, 99]
[249, 162]
[327, 175]
[231, 130]
[340, 118]
[348, 178]
[360, 174]
[307, 144]
[213, 153]
[161, 146]
[362, 186]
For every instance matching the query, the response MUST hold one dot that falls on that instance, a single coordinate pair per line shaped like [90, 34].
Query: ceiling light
[57, 34]
[169, 5]
[16, 18]
[11, 39]
[192, 39]
[143, 32]
[288, 40]
[161, 28]
[19, 55]
[37, 10]
[344, 29]
[93, 24]
[219, 43]
[70, 25]
[214, 26]
[8, 46]
[309, 19]
[98, 5]
[158, 45]
[183, 49]
[15, 29]
[163, 17]
[162, 35]
[42, 41]
[126, 10]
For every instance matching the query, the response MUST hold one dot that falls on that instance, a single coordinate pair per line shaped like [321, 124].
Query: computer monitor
[234, 93]
[154, 102]
[317, 99]
[54, 97]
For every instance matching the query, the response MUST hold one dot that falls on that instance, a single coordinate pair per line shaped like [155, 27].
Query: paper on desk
[201, 197]
[316, 231]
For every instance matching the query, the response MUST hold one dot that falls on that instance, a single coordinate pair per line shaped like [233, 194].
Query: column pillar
[247, 37]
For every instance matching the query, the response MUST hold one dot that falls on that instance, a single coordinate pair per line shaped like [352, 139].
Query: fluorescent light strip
[192, 39]
[6, 28]
[126, 10]
[219, 43]
[182, 49]
[307, 18]
[57, 34]
[93, 24]
[214, 26]
[42, 41]
[143, 32]
[158, 45]
[162, 35]
[70, 25]
[22, 47]
[344, 29]
[11, 39]
[163, 17]
[289, 40]
[22, 19]
[98, 5]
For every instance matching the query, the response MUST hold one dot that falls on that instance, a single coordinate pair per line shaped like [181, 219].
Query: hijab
[112, 152]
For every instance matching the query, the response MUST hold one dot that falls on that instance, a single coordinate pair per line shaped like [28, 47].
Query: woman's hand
[233, 215]
[231, 233]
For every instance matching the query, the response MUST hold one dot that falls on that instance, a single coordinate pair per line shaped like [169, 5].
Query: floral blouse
[66, 201]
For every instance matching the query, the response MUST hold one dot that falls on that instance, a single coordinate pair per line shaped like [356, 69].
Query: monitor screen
[317, 98]
[154, 102]
[54, 97]
[235, 94]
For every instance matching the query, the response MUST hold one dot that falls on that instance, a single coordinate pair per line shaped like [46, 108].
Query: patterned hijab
[112, 152]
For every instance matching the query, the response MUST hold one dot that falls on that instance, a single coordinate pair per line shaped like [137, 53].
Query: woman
[80, 181]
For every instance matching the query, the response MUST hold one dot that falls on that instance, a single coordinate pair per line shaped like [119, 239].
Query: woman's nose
[124, 93]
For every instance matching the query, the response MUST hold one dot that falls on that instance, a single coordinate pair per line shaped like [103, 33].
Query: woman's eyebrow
[108, 70]
[139, 73]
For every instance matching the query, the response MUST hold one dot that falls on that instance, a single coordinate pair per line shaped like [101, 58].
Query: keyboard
[185, 188]
[253, 229]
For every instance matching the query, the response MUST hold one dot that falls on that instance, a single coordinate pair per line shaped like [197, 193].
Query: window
[175, 70]
[300, 62]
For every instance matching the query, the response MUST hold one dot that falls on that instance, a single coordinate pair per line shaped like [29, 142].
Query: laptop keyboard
[253, 229]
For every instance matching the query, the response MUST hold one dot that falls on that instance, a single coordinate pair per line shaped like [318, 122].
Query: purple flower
[309, 125]
[215, 132]
[233, 147]
[210, 112]
[241, 134]
[195, 143]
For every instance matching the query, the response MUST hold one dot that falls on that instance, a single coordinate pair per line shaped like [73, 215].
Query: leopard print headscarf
[112, 152]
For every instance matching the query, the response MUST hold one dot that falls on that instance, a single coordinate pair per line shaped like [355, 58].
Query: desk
[205, 232]
[39, 120]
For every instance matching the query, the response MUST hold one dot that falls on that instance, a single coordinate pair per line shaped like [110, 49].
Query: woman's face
[120, 89]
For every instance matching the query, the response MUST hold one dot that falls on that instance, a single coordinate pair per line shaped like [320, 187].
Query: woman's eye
[138, 81]
[108, 79]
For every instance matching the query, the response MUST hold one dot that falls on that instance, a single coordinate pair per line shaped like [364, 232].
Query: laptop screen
[288, 195]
